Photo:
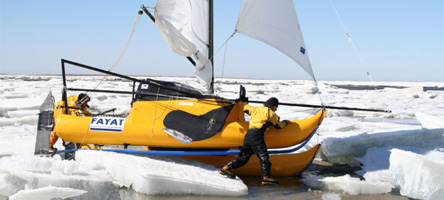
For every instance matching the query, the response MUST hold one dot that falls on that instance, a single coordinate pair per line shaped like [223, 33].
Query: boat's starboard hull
[282, 164]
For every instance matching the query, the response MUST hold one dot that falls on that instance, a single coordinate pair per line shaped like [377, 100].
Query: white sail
[276, 24]
[184, 25]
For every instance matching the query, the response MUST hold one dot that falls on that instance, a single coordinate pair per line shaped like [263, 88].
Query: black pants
[253, 143]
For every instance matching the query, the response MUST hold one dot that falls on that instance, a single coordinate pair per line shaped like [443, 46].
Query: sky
[398, 40]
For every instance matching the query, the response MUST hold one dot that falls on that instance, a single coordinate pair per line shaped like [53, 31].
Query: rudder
[45, 125]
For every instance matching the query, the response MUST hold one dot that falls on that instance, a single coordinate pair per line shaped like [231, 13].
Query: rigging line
[223, 63]
[217, 51]
[139, 14]
[319, 92]
[351, 41]
[154, 113]
[356, 50]
[226, 41]
[83, 139]
[225, 52]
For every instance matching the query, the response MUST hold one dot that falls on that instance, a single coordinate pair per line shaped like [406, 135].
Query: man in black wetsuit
[262, 118]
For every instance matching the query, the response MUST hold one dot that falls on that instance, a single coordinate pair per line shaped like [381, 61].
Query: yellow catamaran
[175, 119]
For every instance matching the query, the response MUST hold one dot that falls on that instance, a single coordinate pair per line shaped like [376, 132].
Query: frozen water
[10, 184]
[420, 174]
[430, 121]
[375, 166]
[343, 150]
[48, 192]
[350, 137]
[331, 196]
[164, 175]
[153, 176]
[33, 172]
[347, 185]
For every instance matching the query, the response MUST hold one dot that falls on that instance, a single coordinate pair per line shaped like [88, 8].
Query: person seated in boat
[262, 118]
[77, 106]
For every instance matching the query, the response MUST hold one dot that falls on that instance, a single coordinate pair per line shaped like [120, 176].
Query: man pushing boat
[262, 118]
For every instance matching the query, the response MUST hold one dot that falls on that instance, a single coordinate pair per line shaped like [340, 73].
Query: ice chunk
[340, 113]
[331, 196]
[22, 113]
[375, 166]
[32, 172]
[430, 121]
[10, 184]
[6, 122]
[413, 91]
[46, 193]
[18, 139]
[21, 104]
[164, 174]
[343, 150]
[347, 184]
[420, 176]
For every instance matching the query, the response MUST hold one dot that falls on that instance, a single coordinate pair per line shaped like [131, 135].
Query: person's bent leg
[240, 161]
[260, 148]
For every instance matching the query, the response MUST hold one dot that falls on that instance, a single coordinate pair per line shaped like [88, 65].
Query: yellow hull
[282, 164]
[144, 124]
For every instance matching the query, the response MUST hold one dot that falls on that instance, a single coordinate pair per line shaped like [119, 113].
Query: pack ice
[99, 175]
[420, 176]
[164, 175]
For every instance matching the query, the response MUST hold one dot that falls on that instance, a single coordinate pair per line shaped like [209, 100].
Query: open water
[368, 87]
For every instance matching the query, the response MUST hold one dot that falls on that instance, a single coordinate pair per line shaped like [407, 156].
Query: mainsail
[184, 25]
[276, 24]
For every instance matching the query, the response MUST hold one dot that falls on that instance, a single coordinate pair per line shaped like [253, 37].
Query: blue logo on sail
[302, 50]
[107, 124]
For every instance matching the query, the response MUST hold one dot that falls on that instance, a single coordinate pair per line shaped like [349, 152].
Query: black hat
[271, 102]
[83, 99]
[82, 95]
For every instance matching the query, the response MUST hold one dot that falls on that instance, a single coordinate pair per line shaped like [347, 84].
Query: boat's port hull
[144, 124]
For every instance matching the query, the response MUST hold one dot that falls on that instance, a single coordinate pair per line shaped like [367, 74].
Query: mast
[211, 43]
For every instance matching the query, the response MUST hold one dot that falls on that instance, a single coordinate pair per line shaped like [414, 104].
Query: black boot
[269, 181]
[226, 171]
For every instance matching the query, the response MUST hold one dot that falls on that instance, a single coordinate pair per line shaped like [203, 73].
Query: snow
[399, 150]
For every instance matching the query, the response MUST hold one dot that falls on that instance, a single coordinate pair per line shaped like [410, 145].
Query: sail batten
[276, 24]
